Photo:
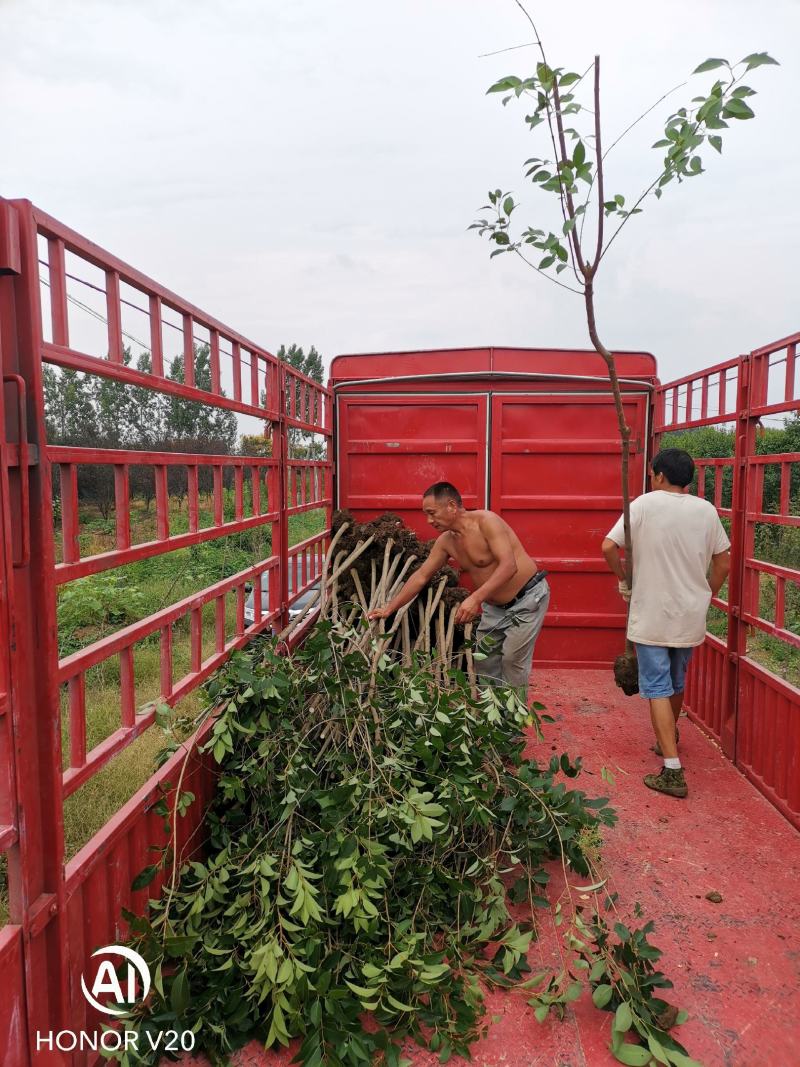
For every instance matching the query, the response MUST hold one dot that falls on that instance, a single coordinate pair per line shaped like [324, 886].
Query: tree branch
[549, 277]
[565, 213]
[598, 150]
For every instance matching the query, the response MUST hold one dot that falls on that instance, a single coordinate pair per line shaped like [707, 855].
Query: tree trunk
[624, 429]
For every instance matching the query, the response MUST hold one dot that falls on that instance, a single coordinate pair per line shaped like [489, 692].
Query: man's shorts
[662, 671]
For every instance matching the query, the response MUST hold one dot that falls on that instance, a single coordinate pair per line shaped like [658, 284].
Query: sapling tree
[573, 171]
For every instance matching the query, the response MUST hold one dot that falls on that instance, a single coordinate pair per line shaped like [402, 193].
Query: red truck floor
[735, 964]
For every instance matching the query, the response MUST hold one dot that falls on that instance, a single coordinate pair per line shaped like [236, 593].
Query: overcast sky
[306, 171]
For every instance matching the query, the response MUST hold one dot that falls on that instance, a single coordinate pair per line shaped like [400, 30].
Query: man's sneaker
[657, 748]
[667, 781]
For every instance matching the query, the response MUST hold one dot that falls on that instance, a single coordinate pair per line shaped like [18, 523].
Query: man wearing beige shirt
[680, 560]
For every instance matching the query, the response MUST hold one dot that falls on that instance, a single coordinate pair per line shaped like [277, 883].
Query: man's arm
[496, 534]
[417, 582]
[613, 559]
[720, 568]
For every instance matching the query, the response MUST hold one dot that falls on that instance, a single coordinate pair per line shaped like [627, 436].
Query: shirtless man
[511, 594]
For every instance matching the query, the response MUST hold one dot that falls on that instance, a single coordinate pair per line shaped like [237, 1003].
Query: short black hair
[676, 465]
[443, 491]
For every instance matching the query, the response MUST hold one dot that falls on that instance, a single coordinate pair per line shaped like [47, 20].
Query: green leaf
[716, 142]
[179, 994]
[503, 86]
[145, 877]
[623, 1020]
[508, 205]
[737, 109]
[541, 1012]
[579, 154]
[759, 59]
[710, 64]
[634, 1055]
[601, 995]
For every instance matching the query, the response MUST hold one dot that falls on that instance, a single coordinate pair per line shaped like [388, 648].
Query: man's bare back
[472, 547]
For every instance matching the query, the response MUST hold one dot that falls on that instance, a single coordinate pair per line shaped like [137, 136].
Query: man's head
[441, 503]
[671, 466]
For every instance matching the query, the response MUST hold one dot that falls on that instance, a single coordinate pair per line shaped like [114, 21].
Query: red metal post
[737, 629]
[280, 528]
[36, 863]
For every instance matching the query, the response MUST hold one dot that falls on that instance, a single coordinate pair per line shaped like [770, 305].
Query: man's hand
[379, 613]
[469, 609]
[624, 591]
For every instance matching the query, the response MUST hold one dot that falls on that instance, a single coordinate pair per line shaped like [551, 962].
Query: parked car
[294, 610]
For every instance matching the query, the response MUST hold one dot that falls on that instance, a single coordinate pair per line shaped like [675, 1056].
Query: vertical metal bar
[780, 602]
[188, 350]
[156, 340]
[197, 638]
[255, 482]
[236, 361]
[689, 385]
[76, 688]
[59, 313]
[162, 502]
[791, 356]
[329, 473]
[127, 684]
[723, 391]
[114, 317]
[258, 598]
[786, 478]
[220, 622]
[238, 492]
[36, 862]
[239, 610]
[254, 379]
[704, 398]
[216, 381]
[219, 513]
[70, 522]
[675, 405]
[280, 541]
[741, 533]
[193, 497]
[166, 661]
[122, 505]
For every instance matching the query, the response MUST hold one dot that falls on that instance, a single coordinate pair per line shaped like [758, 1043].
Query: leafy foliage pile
[371, 832]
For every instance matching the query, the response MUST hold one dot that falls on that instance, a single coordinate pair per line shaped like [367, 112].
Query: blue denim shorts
[662, 671]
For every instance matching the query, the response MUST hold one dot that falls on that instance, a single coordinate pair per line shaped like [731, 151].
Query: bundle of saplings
[373, 833]
[367, 564]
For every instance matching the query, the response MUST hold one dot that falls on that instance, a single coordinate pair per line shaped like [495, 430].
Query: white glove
[624, 591]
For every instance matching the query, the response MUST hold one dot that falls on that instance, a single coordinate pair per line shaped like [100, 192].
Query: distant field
[95, 607]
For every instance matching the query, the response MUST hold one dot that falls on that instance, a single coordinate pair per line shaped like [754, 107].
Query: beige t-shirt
[674, 536]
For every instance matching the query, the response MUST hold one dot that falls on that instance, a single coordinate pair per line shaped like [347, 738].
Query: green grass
[95, 607]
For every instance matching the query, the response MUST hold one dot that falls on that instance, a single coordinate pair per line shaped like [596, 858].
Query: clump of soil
[626, 673]
[386, 526]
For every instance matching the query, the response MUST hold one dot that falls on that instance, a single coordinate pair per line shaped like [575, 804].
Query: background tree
[573, 171]
[304, 445]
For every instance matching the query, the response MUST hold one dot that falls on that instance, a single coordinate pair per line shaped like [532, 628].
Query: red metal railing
[754, 713]
[60, 913]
